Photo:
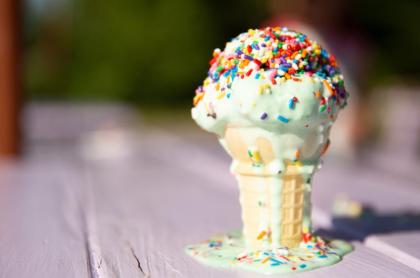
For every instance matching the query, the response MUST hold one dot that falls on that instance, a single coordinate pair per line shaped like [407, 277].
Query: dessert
[272, 96]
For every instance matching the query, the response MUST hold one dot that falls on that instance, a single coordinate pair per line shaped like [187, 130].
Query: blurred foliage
[393, 28]
[157, 51]
[142, 51]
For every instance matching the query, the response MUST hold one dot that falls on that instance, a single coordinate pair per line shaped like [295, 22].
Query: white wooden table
[124, 202]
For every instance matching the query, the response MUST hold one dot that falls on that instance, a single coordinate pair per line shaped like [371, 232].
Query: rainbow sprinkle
[280, 53]
[229, 251]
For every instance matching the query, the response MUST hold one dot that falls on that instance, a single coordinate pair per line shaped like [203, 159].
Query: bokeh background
[95, 101]
[149, 56]
[157, 51]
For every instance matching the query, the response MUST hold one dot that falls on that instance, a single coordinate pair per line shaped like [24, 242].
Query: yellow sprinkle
[261, 235]
[256, 156]
[298, 163]
[221, 95]
[305, 229]
[293, 258]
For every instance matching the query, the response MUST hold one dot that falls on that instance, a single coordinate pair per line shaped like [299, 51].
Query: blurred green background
[156, 52]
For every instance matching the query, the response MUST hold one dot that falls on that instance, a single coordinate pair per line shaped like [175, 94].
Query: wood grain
[403, 247]
[42, 229]
[66, 211]
[143, 225]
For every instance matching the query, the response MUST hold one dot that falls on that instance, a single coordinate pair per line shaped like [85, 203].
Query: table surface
[93, 197]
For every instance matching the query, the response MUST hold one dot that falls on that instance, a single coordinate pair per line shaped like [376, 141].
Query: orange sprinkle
[266, 259]
[297, 154]
[261, 235]
[197, 98]
[328, 87]
[287, 75]
[326, 146]
[318, 94]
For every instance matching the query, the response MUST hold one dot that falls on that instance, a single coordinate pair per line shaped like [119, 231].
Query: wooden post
[9, 77]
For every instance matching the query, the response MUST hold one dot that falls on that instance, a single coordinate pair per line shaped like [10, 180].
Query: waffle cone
[270, 216]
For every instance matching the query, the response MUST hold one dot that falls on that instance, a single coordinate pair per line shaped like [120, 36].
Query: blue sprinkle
[282, 119]
[228, 95]
[215, 244]
[275, 262]
[238, 51]
[257, 76]
[302, 265]
[291, 104]
[264, 116]
[249, 57]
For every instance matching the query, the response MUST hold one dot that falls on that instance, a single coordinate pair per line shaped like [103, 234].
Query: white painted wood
[148, 210]
[69, 212]
[364, 262]
[390, 198]
[41, 232]
[403, 247]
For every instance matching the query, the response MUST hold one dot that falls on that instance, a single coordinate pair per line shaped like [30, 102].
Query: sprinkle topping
[277, 53]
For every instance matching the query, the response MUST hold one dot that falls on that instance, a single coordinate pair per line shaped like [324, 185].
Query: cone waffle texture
[272, 205]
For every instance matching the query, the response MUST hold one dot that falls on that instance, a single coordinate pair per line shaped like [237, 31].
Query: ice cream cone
[272, 96]
[272, 204]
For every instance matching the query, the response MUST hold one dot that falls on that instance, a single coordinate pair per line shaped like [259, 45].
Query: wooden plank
[131, 214]
[365, 262]
[41, 227]
[403, 247]
[158, 202]
[10, 77]
[387, 199]
[147, 211]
